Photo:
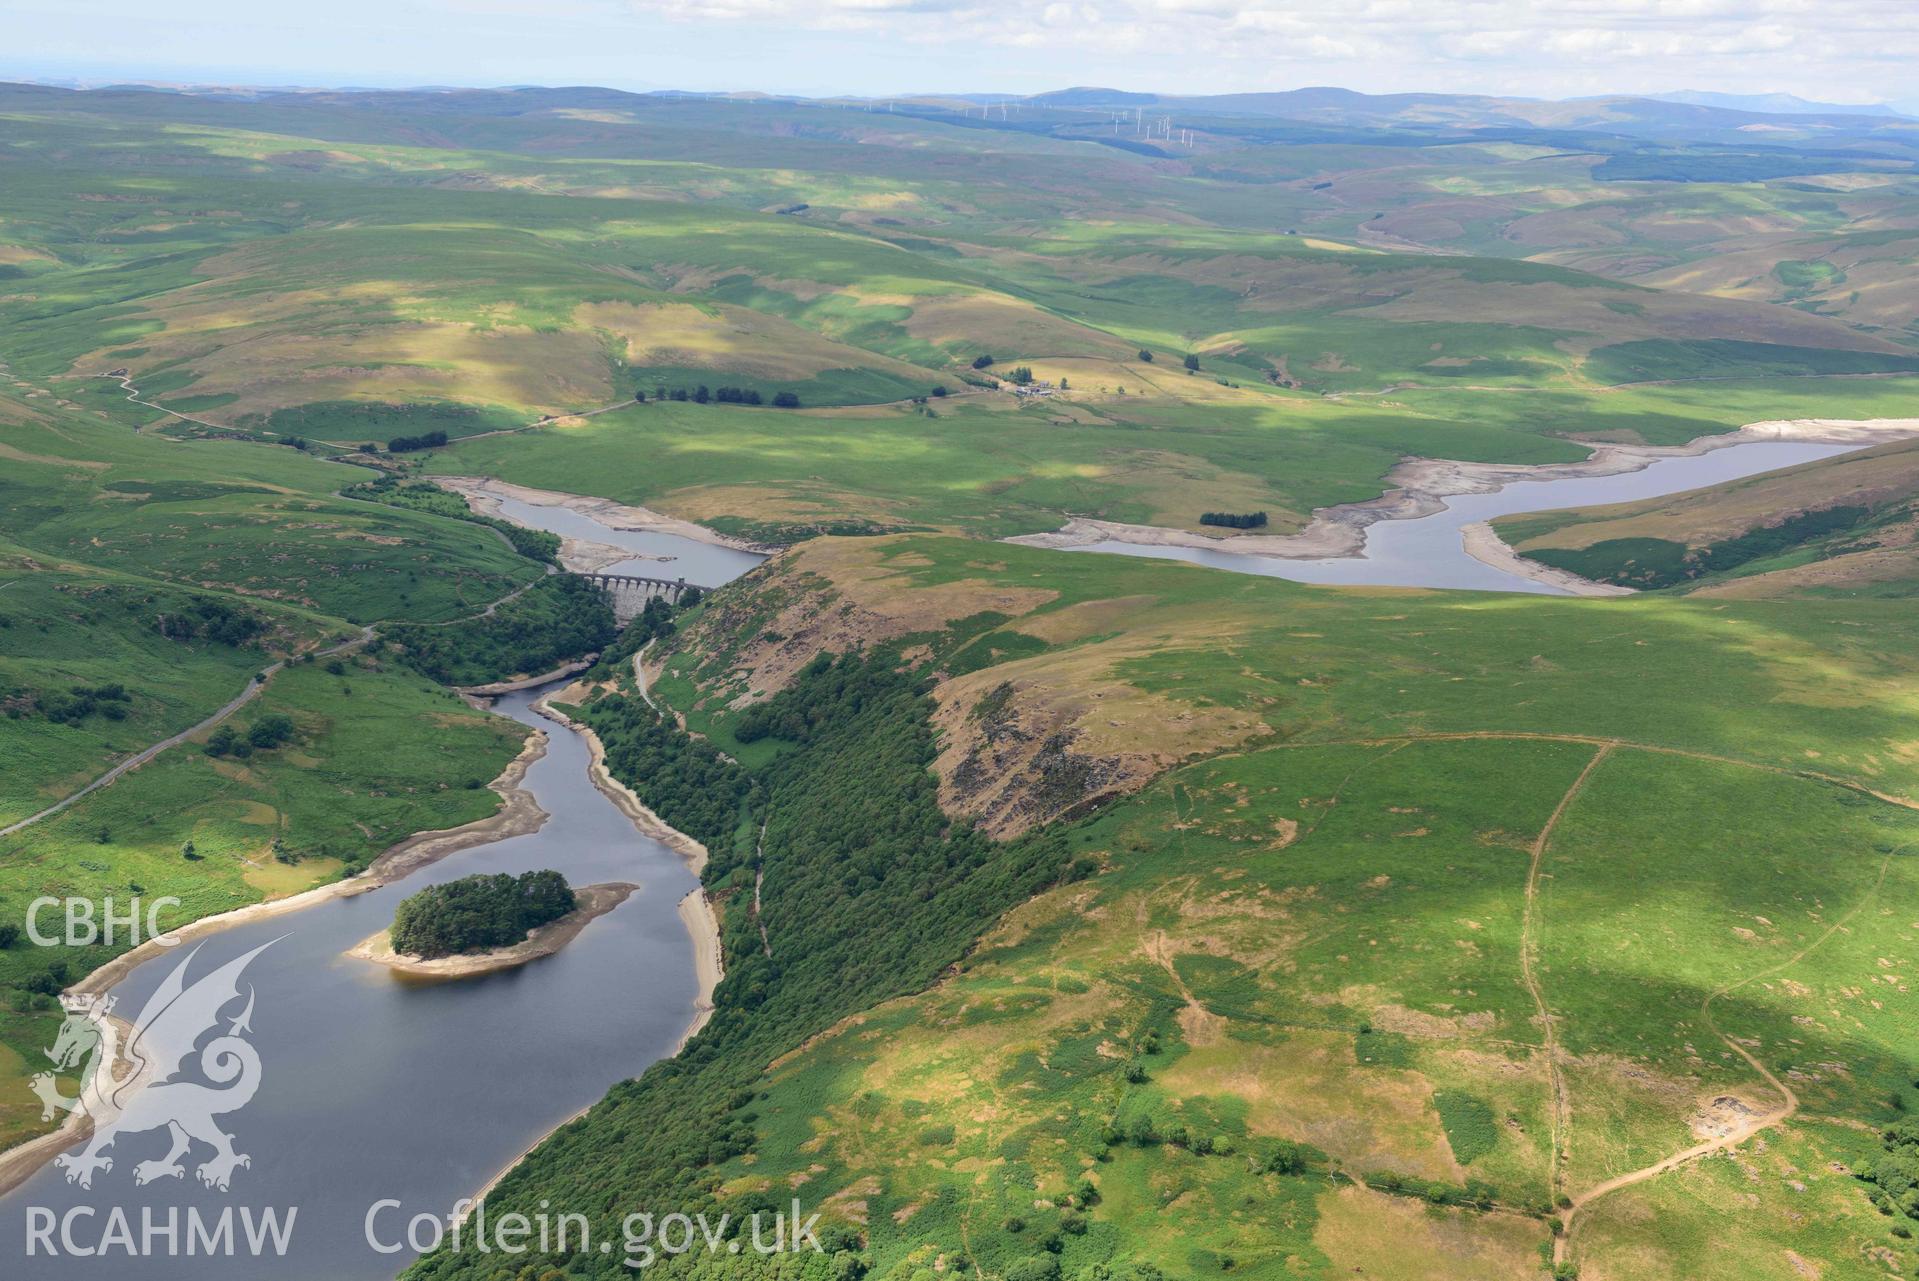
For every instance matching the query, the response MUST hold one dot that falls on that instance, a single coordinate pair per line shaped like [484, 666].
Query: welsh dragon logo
[161, 1045]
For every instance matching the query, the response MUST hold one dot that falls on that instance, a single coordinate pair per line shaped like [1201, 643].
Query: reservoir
[373, 1088]
[655, 555]
[1427, 551]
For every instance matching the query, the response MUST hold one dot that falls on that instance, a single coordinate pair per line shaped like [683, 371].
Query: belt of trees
[205, 618]
[870, 892]
[557, 619]
[703, 394]
[407, 444]
[1893, 1176]
[275, 729]
[74, 705]
[1234, 520]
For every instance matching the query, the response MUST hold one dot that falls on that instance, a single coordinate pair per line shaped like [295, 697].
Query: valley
[1519, 891]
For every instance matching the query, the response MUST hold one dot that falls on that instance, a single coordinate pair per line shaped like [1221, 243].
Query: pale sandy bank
[1488, 548]
[116, 1079]
[483, 495]
[594, 902]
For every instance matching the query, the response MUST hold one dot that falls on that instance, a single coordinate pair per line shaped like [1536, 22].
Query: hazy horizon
[189, 84]
[1854, 52]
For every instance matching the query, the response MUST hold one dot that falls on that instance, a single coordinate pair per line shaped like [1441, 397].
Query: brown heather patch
[849, 1203]
[1087, 618]
[1386, 1238]
[836, 595]
[1068, 732]
[1308, 1088]
[736, 339]
[1042, 910]
[866, 571]
[1419, 1023]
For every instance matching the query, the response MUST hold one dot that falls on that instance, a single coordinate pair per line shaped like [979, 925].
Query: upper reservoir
[1428, 551]
[655, 554]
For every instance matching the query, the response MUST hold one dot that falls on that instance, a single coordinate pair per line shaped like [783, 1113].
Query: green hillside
[1084, 918]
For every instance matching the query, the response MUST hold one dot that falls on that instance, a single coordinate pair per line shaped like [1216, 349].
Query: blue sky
[1837, 50]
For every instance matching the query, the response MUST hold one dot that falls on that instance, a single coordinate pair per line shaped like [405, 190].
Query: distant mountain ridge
[1333, 105]
[1685, 115]
[1780, 104]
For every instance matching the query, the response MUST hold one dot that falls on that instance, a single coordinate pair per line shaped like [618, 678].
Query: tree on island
[478, 913]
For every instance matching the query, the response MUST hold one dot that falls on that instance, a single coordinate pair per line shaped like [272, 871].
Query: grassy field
[1174, 447]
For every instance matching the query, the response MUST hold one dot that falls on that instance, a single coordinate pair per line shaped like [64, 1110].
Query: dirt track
[1529, 967]
[1788, 1101]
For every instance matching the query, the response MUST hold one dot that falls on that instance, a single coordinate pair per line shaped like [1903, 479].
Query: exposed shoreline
[483, 495]
[623, 797]
[518, 815]
[496, 688]
[592, 902]
[1420, 487]
[23, 1160]
[696, 910]
[1483, 543]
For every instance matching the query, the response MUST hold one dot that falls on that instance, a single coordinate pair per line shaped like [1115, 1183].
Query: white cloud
[1842, 50]
[1834, 48]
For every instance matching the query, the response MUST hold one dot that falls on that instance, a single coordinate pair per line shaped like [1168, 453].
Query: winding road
[247, 695]
[253, 690]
